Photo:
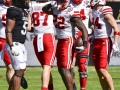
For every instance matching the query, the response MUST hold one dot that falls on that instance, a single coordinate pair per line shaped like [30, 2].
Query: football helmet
[77, 1]
[8, 2]
[62, 4]
[98, 2]
[21, 3]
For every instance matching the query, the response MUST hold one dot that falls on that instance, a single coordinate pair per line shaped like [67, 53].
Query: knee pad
[83, 74]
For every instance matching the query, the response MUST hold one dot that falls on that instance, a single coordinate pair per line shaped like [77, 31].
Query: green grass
[33, 77]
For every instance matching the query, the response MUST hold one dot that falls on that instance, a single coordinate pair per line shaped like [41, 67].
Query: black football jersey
[19, 30]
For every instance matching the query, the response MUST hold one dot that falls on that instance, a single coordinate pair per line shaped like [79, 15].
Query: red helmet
[77, 1]
[8, 2]
[62, 4]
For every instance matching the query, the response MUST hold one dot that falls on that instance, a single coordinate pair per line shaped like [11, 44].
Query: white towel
[40, 43]
[2, 54]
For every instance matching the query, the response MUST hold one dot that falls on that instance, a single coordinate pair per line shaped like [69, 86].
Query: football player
[65, 19]
[4, 55]
[104, 23]
[16, 22]
[44, 41]
[82, 57]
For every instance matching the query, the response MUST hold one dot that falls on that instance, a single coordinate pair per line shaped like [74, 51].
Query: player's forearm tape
[8, 31]
[116, 33]
[85, 43]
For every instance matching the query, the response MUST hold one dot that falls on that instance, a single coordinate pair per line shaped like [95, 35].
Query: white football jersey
[102, 28]
[3, 10]
[43, 23]
[64, 27]
[84, 9]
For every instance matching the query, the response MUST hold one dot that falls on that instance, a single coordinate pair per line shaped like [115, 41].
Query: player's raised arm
[47, 9]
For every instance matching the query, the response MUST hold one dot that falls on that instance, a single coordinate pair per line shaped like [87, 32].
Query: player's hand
[115, 48]
[89, 31]
[14, 51]
[80, 49]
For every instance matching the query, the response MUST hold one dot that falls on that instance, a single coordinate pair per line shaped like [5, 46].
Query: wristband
[116, 33]
[85, 43]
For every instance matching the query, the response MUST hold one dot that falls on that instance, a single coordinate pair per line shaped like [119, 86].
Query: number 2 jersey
[21, 22]
[43, 23]
[102, 28]
[3, 10]
[64, 27]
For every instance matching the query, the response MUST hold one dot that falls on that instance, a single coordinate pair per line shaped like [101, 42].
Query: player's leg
[50, 86]
[72, 67]
[45, 76]
[82, 59]
[9, 72]
[101, 56]
[83, 75]
[66, 77]
[102, 79]
[7, 61]
[46, 58]
[16, 80]
[64, 60]
[19, 65]
[73, 76]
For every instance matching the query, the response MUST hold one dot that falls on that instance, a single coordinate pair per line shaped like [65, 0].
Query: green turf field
[33, 77]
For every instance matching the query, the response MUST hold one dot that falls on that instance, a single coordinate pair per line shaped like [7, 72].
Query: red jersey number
[82, 14]
[96, 23]
[4, 19]
[59, 22]
[36, 20]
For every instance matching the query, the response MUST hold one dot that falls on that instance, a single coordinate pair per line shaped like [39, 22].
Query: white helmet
[98, 2]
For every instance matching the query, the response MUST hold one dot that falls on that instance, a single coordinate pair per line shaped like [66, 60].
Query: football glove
[89, 31]
[14, 51]
[80, 49]
[115, 48]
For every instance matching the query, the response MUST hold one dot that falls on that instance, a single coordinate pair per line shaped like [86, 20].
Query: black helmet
[21, 4]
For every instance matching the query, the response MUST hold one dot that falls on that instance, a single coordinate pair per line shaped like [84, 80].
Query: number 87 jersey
[43, 23]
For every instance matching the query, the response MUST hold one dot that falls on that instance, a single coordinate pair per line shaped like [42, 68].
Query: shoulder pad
[12, 12]
[107, 10]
